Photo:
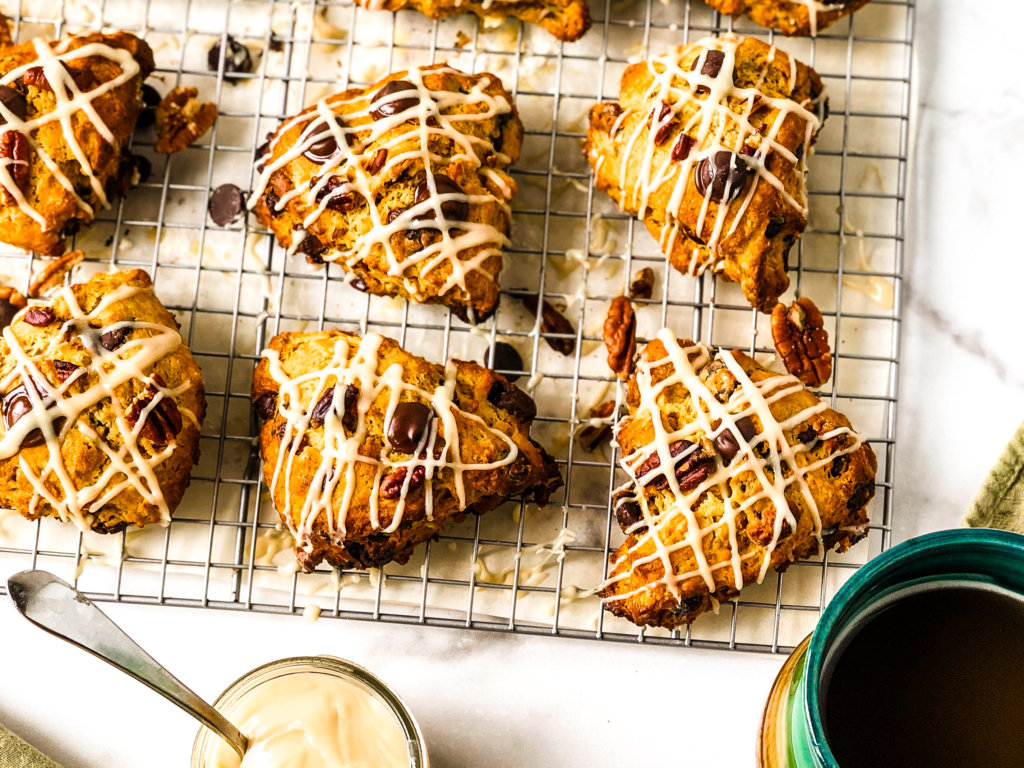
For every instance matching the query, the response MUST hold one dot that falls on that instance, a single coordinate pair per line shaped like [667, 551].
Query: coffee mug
[792, 727]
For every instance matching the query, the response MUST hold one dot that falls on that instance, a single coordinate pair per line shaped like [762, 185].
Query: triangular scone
[67, 112]
[707, 146]
[763, 473]
[790, 17]
[101, 409]
[368, 450]
[565, 19]
[403, 184]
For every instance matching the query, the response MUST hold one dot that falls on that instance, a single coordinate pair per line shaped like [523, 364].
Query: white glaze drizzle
[721, 122]
[749, 399]
[434, 119]
[70, 101]
[354, 362]
[128, 467]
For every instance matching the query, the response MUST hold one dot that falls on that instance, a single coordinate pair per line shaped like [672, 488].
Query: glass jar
[792, 733]
[206, 740]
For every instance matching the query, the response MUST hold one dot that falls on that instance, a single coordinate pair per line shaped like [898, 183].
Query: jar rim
[323, 664]
[975, 541]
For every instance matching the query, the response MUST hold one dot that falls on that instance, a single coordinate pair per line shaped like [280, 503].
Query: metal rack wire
[516, 569]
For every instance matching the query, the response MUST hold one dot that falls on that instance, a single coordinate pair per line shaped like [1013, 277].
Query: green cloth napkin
[1000, 503]
[15, 753]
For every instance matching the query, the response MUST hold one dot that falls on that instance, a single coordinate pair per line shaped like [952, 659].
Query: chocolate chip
[512, 399]
[226, 203]
[359, 284]
[385, 107]
[324, 148]
[265, 405]
[628, 514]
[379, 158]
[322, 408]
[775, 225]
[150, 99]
[40, 317]
[114, 338]
[808, 436]
[722, 169]
[861, 496]
[689, 606]
[838, 465]
[236, 59]
[64, 369]
[455, 210]
[408, 425]
[143, 168]
[16, 405]
[713, 63]
[506, 358]
[14, 102]
[312, 247]
[727, 444]
[683, 146]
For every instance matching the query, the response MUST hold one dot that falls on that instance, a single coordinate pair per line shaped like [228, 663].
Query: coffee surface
[936, 679]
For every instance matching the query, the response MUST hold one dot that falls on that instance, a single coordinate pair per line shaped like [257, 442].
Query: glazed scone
[67, 112]
[707, 146]
[763, 474]
[368, 450]
[565, 19]
[790, 17]
[403, 184]
[101, 409]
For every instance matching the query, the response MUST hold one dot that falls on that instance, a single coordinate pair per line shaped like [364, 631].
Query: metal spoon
[62, 610]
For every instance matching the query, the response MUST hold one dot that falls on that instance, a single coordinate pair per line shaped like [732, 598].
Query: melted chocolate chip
[265, 405]
[114, 338]
[727, 444]
[408, 425]
[226, 204]
[713, 63]
[386, 107]
[40, 317]
[808, 436]
[511, 398]
[150, 99]
[775, 225]
[322, 408]
[455, 210]
[312, 247]
[838, 465]
[236, 58]
[14, 102]
[324, 148]
[628, 514]
[506, 358]
[16, 405]
[722, 169]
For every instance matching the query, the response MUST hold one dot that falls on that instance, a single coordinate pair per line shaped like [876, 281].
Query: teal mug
[792, 727]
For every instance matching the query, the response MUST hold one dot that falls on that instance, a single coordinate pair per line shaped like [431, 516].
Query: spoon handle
[60, 609]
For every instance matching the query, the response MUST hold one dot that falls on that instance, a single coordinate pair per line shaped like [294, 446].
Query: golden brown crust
[840, 488]
[788, 17]
[477, 391]
[58, 346]
[565, 19]
[338, 233]
[756, 230]
[118, 108]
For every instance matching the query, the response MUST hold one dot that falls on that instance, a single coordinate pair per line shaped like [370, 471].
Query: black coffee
[934, 680]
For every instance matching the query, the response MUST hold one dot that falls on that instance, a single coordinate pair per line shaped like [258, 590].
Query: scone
[790, 17]
[565, 19]
[368, 450]
[67, 112]
[707, 146]
[101, 409]
[763, 473]
[403, 184]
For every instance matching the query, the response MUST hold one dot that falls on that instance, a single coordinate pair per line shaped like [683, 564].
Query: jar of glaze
[208, 746]
[792, 733]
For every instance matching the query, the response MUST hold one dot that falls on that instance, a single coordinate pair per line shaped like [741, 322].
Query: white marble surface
[487, 699]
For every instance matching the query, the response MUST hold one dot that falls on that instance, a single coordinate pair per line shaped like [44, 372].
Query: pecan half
[51, 277]
[620, 337]
[14, 149]
[552, 321]
[594, 435]
[163, 422]
[391, 487]
[801, 341]
[181, 119]
[642, 286]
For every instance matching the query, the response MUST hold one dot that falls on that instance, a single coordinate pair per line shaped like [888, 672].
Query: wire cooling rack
[517, 568]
